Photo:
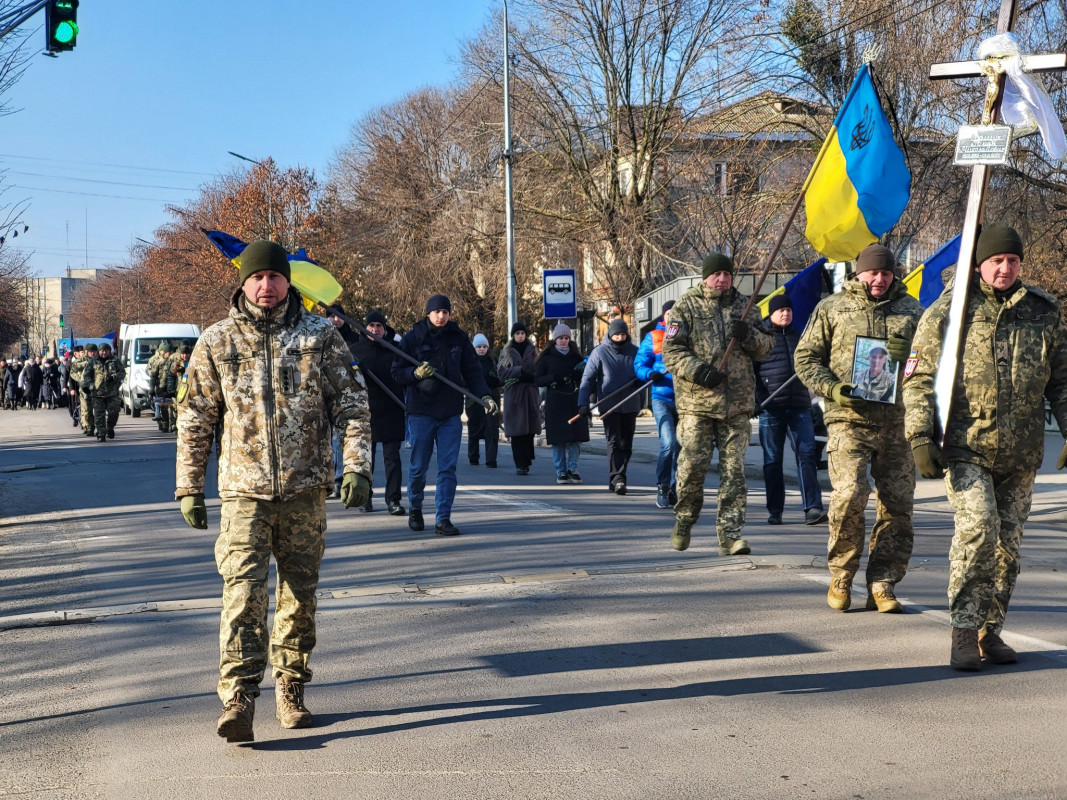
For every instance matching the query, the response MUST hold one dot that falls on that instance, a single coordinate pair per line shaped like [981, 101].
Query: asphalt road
[559, 648]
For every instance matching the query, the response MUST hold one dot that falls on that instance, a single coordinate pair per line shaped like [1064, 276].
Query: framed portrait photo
[873, 373]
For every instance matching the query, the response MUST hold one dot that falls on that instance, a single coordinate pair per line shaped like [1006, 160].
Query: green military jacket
[277, 381]
[826, 352]
[1014, 356]
[77, 369]
[697, 336]
[103, 378]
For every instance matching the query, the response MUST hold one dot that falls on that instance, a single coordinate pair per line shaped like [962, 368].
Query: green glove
[1061, 462]
[355, 490]
[195, 511]
[841, 393]
[928, 461]
[490, 405]
[899, 349]
[424, 371]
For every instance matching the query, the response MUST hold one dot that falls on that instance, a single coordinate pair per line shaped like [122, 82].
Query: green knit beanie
[261, 255]
[995, 238]
[716, 262]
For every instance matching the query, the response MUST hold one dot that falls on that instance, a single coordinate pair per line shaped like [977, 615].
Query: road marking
[78, 541]
[1057, 652]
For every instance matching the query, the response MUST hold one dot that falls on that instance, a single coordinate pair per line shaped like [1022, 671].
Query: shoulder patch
[913, 361]
[671, 331]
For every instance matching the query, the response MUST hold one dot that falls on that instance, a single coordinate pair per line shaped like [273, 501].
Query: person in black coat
[481, 425]
[522, 412]
[440, 346]
[558, 372]
[786, 413]
[386, 409]
[33, 378]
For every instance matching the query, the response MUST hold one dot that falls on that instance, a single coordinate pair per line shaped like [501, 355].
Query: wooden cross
[950, 353]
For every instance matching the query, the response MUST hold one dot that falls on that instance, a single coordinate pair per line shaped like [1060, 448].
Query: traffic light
[60, 25]
[61, 320]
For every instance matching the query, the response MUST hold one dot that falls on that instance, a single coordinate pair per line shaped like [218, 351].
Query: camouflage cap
[91, 347]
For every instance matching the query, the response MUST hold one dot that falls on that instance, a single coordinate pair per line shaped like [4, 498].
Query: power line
[107, 166]
[101, 180]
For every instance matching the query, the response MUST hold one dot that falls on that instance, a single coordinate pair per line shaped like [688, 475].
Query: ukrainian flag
[312, 281]
[924, 282]
[860, 183]
[804, 291]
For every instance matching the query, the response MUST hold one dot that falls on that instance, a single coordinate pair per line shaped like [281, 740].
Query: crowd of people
[34, 383]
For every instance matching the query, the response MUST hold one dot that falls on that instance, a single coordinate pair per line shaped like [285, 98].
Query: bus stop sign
[561, 301]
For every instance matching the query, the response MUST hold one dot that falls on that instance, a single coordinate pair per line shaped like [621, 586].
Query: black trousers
[482, 426]
[393, 474]
[619, 433]
[522, 450]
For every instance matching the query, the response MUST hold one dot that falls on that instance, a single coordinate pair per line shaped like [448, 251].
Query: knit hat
[716, 262]
[561, 330]
[875, 256]
[666, 307]
[618, 326]
[91, 347]
[778, 301]
[519, 326]
[480, 340]
[375, 316]
[336, 310]
[438, 302]
[262, 255]
[996, 238]
[186, 350]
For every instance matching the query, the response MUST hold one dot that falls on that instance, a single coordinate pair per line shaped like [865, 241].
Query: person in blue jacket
[648, 365]
[611, 368]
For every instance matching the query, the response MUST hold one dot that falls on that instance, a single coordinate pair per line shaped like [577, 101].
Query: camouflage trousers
[105, 413]
[294, 531]
[87, 413]
[851, 451]
[699, 437]
[991, 509]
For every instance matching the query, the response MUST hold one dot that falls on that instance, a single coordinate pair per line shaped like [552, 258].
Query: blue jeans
[425, 433]
[666, 424]
[565, 457]
[774, 426]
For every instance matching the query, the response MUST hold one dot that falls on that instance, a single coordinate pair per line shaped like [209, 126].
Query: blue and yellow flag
[860, 184]
[804, 291]
[924, 282]
[311, 280]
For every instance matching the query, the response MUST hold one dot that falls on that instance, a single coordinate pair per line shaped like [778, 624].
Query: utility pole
[509, 211]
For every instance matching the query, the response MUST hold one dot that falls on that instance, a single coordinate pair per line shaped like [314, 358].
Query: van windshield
[144, 348]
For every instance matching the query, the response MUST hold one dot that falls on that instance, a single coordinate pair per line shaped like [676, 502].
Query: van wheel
[136, 411]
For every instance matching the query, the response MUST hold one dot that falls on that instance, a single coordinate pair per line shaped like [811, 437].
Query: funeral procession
[606, 399]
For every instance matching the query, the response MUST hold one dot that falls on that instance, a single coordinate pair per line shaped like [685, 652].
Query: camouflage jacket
[826, 352]
[1014, 355]
[272, 382]
[152, 369]
[166, 380]
[696, 336]
[77, 370]
[103, 378]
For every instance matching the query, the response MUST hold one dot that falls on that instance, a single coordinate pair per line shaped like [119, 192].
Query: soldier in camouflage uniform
[864, 435]
[87, 422]
[167, 380]
[152, 369]
[102, 378]
[714, 408]
[277, 379]
[1014, 356]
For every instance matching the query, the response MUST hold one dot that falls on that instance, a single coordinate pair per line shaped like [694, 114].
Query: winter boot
[661, 496]
[994, 650]
[734, 547]
[965, 654]
[681, 534]
[235, 724]
[880, 596]
[839, 595]
[289, 700]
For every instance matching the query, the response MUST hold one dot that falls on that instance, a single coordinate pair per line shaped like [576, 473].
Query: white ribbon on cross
[1026, 105]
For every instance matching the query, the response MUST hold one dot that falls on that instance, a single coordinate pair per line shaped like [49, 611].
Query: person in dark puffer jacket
[787, 413]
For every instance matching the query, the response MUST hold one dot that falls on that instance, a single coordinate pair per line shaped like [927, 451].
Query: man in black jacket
[434, 409]
[788, 412]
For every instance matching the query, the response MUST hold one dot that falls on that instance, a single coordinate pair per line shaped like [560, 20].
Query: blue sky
[146, 107]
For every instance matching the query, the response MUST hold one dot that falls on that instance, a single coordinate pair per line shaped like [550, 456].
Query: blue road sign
[561, 299]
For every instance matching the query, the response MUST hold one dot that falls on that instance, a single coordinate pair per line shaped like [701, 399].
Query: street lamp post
[270, 197]
[509, 213]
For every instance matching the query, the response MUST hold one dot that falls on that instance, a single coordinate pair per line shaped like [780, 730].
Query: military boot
[681, 534]
[880, 596]
[235, 724]
[289, 699]
[839, 595]
[965, 654]
[993, 650]
[734, 547]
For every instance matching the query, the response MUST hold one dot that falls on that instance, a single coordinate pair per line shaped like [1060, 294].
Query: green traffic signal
[65, 32]
[61, 24]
